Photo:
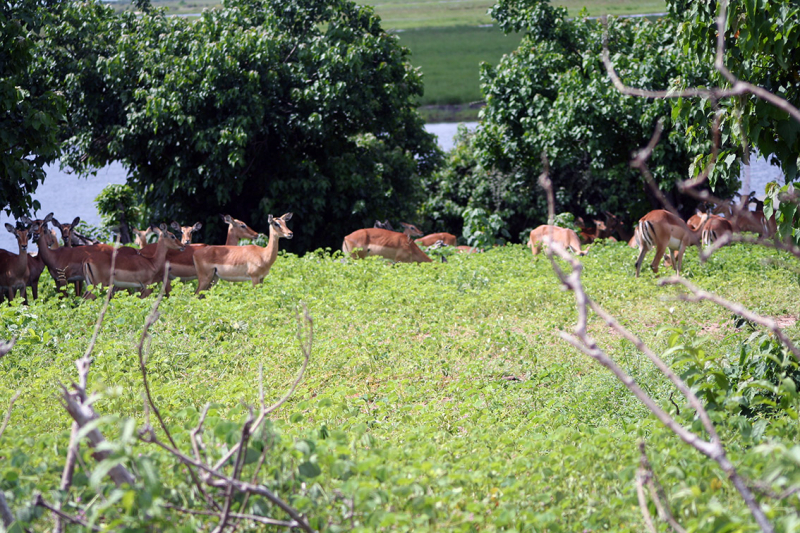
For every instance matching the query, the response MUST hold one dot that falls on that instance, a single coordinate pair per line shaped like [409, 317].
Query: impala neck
[23, 256]
[161, 253]
[271, 251]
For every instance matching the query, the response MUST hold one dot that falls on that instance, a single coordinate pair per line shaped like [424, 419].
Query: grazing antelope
[14, 271]
[237, 230]
[564, 236]
[663, 231]
[391, 245]
[447, 238]
[241, 263]
[715, 227]
[131, 271]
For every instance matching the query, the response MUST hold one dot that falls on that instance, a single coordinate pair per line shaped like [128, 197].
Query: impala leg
[642, 252]
[35, 290]
[659, 254]
[679, 259]
[204, 279]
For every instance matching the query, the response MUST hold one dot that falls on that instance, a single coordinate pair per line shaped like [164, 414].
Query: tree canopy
[256, 108]
[30, 110]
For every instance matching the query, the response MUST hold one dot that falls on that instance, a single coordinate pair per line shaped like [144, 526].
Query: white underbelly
[127, 284]
[674, 244]
[384, 251]
[235, 278]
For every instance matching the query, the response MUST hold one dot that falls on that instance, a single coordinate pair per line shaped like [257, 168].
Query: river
[69, 196]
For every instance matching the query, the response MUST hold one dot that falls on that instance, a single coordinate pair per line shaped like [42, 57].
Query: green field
[439, 396]
[449, 59]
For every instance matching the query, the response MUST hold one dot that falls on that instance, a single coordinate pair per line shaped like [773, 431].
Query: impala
[65, 264]
[240, 263]
[391, 245]
[715, 227]
[238, 230]
[181, 262]
[447, 238]
[131, 271]
[35, 269]
[564, 236]
[66, 230]
[14, 271]
[141, 236]
[662, 230]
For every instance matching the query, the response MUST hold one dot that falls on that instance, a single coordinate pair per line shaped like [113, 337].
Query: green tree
[29, 109]
[553, 96]
[258, 107]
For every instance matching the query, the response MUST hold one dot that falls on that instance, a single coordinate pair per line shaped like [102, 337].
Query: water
[69, 196]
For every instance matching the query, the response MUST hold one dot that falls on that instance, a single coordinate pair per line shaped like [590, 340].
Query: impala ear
[227, 219]
[175, 226]
[76, 221]
[56, 222]
[197, 226]
[48, 218]
[10, 228]
[269, 219]
[287, 216]
[162, 227]
[26, 220]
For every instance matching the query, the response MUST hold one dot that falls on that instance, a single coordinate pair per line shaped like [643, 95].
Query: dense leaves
[30, 110]
[255, 108]
[552, 96]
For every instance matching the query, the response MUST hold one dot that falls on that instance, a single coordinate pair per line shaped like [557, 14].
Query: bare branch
[305, 347]
[226, 508]
[8, 412]
[240, 516]
[698, 294]
[39, 502]
[656, 491]
[223, 480]
[5, 346]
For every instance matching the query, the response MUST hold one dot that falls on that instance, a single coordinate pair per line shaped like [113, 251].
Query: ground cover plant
[438, 396]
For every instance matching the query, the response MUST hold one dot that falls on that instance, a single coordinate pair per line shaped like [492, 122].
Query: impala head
[66, 230]
[600, 225]
[279, 227]
[39, 228]
[186, 231]
[141, 236]
[411, 230]
[171, 241]
[22, 232]
[239, 229]
[383, 225]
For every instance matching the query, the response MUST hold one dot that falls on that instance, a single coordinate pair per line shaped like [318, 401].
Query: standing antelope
[663, 231]
[238, 230]
[181, 262]
[391, 245]
[141, 236]
[241, 263]
[564, 236]
[14, 271]
[131, 271]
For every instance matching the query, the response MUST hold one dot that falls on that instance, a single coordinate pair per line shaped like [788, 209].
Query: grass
[454, 403]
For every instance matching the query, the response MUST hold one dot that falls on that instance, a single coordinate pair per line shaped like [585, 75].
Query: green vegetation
[450, 59]
[439, 396]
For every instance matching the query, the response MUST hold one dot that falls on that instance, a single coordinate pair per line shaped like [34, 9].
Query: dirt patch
[785, 321]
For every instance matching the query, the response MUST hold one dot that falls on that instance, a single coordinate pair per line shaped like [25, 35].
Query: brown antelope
[35, 268]
[131, 271]
[715, 227]
[14, 271]
[241, 263]
[181, 262]
[447, 238]
[663, 231]
[564, 236]
[72, 237]
[391, 245]
[742, 219]
[141, 236]
[237, 230]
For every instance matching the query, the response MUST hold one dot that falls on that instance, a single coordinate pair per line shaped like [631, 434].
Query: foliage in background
[455, 408]
[782, 203]
[464, 184]
[553, 96]
[256, 108]
[30, 108]
[761, 41]
[120, 210]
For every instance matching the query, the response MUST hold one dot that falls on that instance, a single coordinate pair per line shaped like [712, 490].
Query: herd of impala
[139, 268]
